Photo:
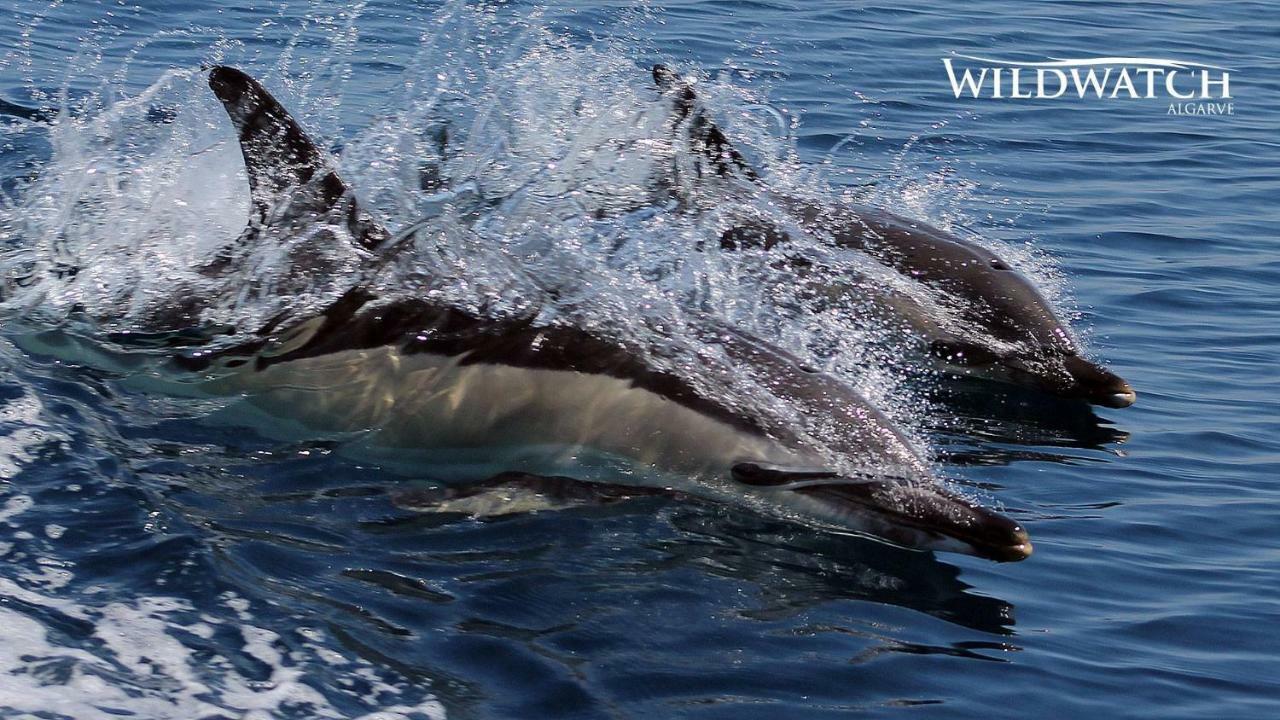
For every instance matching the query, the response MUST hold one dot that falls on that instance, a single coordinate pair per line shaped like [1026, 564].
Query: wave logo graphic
[1189, 87]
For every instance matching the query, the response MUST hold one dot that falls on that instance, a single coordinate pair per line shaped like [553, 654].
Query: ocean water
[156, 562]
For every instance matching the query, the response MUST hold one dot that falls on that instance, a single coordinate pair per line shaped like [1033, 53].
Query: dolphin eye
[998, 264]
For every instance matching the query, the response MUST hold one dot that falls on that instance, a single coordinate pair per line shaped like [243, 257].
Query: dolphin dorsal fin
[706, 136]
[289, 176]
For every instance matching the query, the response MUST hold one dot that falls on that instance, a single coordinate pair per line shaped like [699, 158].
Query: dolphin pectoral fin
[778, 476]
[289, 176]
[513, 493]
[707, 137]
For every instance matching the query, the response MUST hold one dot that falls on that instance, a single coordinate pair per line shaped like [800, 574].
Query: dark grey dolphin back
[290, 178]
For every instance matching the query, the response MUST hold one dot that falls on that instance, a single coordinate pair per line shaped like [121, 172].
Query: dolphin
[1032, 348]
[35, 115]
[521, 398]
[157, 114]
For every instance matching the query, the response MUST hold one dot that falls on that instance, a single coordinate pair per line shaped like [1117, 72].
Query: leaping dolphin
[521, 399]
[993, 297]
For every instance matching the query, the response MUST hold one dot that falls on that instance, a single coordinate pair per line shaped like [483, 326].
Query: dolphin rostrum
[1033, 347]
[517, 398]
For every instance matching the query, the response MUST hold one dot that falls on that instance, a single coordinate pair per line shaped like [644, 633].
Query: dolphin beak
[1100, 386]
[1121, 398]
[994, 536]
[1020, 550]
[921, 516]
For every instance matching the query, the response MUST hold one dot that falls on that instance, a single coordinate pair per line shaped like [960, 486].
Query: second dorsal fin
[288, 175]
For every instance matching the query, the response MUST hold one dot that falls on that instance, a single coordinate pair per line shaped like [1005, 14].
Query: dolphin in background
[35, 115]
[1033, 347]
[530, 402]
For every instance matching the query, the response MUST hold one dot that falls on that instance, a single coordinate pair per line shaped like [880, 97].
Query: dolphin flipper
[289, 176]
[780, 477]
[766, 475]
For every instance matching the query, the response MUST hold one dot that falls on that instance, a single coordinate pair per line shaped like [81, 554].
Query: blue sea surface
[154, 566]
